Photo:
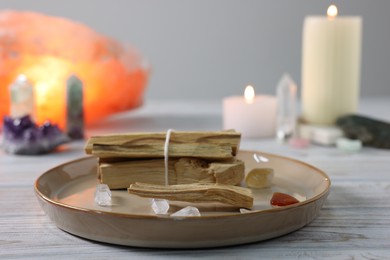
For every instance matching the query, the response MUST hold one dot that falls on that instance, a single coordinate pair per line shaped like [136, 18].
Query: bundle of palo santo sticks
[201, 166]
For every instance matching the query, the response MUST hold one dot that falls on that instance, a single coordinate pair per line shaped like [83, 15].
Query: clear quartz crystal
[188, 211]
[103, 195]
[160, 206]
[22, 97]
[242, 211]
[286, 92]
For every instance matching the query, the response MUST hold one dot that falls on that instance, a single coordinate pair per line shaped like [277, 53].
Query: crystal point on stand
[286, 92]
[188, 211]
[23, 136]
[103, 195]
[160, 206]
[48, 49]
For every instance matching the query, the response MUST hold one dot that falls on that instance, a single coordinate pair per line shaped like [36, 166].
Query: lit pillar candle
[330, 67]
[253, 116]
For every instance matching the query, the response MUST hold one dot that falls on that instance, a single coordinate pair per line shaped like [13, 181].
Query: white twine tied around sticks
[166, 146]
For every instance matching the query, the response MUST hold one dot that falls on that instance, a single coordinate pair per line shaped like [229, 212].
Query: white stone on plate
[103, 195]
[188, 211]
[160, 206]
[242, 210]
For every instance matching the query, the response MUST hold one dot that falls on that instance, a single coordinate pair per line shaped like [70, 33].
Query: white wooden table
[354, 223]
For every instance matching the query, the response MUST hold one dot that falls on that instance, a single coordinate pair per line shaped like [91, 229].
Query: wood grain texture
[353, 224]
[155, 140]
[198, 192]
[119, 175]
[150, 151]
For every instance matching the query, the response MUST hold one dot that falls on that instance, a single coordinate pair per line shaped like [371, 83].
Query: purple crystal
[23, 136]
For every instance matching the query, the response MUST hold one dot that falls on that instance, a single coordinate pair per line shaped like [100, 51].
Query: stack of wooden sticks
[200, 165]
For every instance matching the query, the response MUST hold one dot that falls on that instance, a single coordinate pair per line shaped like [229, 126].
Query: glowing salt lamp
[49, 49]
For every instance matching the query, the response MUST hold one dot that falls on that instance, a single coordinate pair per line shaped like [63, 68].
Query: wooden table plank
[354, 222]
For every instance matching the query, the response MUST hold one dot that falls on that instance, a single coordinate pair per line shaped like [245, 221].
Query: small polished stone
[297, 142]
[259, 178]
[348, 145]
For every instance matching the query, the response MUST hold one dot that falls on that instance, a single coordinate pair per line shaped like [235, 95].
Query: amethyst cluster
[23, 136]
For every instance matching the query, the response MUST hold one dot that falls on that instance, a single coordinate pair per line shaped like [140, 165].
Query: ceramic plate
[66, 194]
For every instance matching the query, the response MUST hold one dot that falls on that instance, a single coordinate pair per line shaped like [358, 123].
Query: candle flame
[249, 94]
[332, 12]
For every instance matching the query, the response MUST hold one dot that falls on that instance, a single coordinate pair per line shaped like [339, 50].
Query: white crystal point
[286, 92]
[286, 80]
[21, 79]
[22, 97]
[188, 211]
[103, 195]
[245, 211]
[160, 206]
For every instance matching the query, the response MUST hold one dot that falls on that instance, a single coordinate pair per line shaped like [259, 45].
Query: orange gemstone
[282, 199]
[49, 49]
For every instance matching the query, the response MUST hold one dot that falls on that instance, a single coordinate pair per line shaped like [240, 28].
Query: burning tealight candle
[253, 116]
[330, 66]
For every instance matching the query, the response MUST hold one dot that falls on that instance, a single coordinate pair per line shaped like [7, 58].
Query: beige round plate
[66, 194]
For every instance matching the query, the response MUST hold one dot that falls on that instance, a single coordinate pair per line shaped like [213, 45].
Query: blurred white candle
[330, 67]
[253, 116]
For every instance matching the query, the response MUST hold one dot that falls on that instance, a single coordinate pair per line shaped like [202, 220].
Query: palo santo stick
[119, 175]
[230, 138]
[229, 173]
[232, 195]
[198, 150]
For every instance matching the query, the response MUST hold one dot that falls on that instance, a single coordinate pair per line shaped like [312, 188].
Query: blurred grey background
[209, 49]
